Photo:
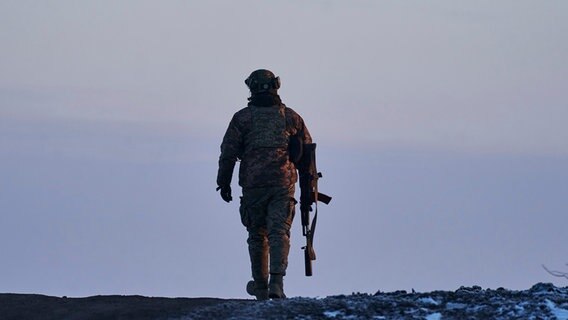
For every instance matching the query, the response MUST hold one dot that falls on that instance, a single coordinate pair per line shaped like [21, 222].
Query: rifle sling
[312, 230]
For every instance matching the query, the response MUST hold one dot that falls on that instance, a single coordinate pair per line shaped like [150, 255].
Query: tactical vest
[268, 128]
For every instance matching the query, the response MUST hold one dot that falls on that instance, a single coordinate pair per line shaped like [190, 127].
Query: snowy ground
[542, 301]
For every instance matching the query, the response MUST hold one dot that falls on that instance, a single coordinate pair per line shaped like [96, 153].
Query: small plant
[556, 273]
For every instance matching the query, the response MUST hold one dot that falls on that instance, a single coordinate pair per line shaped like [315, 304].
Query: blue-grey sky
[440, 128]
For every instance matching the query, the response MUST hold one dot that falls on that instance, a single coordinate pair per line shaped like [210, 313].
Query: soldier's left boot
[276, 287]
[259, 289]
[258, 250]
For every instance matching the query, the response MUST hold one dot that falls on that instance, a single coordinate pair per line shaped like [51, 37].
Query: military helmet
[262, 80]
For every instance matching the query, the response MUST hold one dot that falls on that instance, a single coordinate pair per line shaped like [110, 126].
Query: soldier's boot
[258, 250]
[276, 287]
[258, 289]
[279, 248]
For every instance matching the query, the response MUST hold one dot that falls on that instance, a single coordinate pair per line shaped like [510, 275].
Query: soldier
[260, 137]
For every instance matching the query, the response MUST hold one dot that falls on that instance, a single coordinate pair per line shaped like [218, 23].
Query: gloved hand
[225, 193]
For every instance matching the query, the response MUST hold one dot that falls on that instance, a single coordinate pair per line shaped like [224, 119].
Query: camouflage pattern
[268, 128]
[267, 213]
[255, 137]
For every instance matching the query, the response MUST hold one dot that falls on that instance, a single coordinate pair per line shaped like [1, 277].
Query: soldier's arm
[307, 138]
[300, 128]
[230, 152]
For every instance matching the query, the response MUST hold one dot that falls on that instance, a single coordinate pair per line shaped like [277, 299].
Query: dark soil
[542, 301]
[29, 306]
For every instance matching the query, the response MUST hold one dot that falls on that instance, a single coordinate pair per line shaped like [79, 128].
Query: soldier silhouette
[260, 137]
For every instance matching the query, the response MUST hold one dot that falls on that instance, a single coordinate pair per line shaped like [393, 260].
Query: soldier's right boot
[258, 289]
[276, 287]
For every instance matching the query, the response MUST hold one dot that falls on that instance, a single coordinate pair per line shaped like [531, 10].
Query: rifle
[309, 195]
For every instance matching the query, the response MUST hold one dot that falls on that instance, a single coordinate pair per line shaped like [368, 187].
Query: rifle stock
[307, 263]
[309, 255]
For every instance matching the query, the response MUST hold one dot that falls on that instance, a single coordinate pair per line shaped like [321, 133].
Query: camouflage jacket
[259, 138]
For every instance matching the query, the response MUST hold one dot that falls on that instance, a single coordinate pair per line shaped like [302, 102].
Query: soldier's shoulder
[243, 113]
[241, 118]
[291, 113]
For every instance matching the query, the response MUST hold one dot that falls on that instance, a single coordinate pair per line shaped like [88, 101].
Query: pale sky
[440, 128]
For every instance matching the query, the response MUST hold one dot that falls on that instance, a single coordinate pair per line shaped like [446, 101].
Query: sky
[440, 128]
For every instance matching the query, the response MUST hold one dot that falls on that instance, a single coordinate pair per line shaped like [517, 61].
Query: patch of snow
[434, 316]
[520, 309]
[476, 308]
[455, 305]
[561, 314]
[333, 314]
[429, 300]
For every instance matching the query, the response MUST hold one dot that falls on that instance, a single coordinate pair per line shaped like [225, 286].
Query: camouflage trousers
[267, 213]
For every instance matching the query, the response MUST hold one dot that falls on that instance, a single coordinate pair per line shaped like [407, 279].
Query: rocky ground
[542, 301]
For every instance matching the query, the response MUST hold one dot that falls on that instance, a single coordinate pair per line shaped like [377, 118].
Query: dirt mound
[542, 301]
[26, 306]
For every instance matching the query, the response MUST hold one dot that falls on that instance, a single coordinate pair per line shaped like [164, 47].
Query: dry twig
[556, 273]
